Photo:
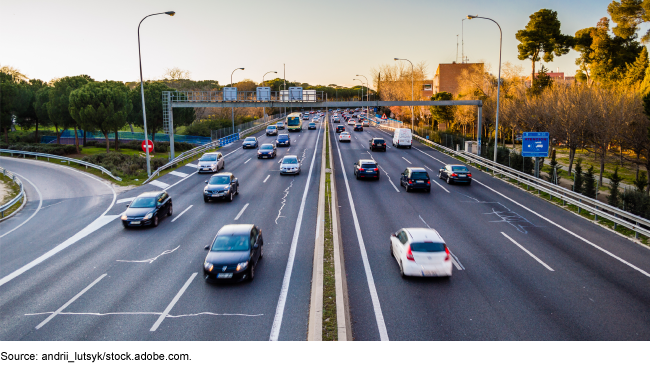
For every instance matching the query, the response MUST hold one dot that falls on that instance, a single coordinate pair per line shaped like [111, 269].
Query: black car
[415, 178]
[267, 150]
[147, 209]
[311, 125]
[283, 140]
[358, 127]
[250, 142]
[377, 144]
[366, 168]
[455, 173]
[340, 128]
[223, 185]
[234, 253]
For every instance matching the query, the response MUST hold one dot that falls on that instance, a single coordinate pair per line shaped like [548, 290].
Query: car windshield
[283, 137]
[279, 123]
[379, 141]
[459, 169]
[250, 139]
[427, 247]
[208, 158]
[290, 160]
[270, 127]
[219, 180]
[143, 202]
[231, 243]
[419, 175]
[266, 147]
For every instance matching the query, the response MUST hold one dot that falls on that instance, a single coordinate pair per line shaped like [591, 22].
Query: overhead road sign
[535, 144]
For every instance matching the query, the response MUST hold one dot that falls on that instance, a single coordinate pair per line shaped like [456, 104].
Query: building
[446, 77]
[555, 76]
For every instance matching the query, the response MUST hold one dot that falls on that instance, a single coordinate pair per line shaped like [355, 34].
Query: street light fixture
[496, 124]
[232, 108]
[264, 108]
[412, 99]
[367, 95]
[361, 88]
[144, 113]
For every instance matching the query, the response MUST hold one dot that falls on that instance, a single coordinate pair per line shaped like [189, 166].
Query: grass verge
[330, 327]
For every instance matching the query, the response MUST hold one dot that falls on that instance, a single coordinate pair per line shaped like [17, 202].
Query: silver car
[211, 162]
[290, 165]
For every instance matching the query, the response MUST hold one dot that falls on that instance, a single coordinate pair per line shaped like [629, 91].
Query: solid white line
[69, 302]
[406, 160]
[528, 252]
[570, 232]
[125, 200]
[279, 310]
[177, 173]
[379, 316]
[389, 179]
[266, 178]
[178, 216]
[241, 211]
[247, 161]
[434, 180]
[429, 155]
[159, 184]
[172, 303]
[40, 204]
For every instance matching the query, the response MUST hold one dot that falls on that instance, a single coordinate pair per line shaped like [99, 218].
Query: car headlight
[148, 216]
[208, 266]
[213, 165]
[242, 266]
[124, 217]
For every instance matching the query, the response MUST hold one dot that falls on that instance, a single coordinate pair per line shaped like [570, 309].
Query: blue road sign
[535, 144]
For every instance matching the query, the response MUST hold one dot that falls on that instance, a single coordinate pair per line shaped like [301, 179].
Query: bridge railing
[18, 197]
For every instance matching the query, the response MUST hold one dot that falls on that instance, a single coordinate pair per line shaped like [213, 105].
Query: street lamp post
[144, 113]
[361, 88]
[496, 123]
[412, 99]
[232, 109]
[367, 95]
[264, 108]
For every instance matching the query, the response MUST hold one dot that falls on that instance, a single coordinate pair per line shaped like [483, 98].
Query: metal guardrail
[15, 200]
[206, 147]
[61, 158]
[595, 207]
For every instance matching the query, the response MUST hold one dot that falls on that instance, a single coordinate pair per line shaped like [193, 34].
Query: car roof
[270, 126]
[424, 234]
[267, 144]
[457, 165]
[285, 156]
[222, 174]
[367, 161]
[211, 153]
[235, 229]
[150, 193]
[378, 138]
[417, 169]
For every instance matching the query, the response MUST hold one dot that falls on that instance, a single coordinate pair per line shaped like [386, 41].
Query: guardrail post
[615, 225]
[636, 233]
[579, 210]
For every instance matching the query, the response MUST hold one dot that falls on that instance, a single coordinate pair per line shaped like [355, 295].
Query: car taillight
[376, 169]
[428, 182]
[454, 174]
[447, 252]
[409, 254]
[373, 144]
[469, 175]
[361, 169]
[410, 182]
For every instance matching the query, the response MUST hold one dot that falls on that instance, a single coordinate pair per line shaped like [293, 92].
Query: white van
[402, 138]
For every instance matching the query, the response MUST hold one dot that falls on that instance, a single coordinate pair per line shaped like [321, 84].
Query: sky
[320, 42]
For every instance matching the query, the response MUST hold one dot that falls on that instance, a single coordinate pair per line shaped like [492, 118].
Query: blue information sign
[535, 144]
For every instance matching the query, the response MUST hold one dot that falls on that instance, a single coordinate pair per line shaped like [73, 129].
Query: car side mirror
[256, 245]
[206, 181]
[128, 205]
[392, 235]
[207, 247]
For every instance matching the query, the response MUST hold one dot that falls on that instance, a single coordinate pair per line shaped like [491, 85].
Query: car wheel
[261, 250]
[230, 197]
[155, 221]
[126, 226]
[251, 273]
[206, 199]
[410, 147]
[428, 190]
[448, 180]
[469, 182]
[356, 175]
[439, 175]
[171, 210]
[237, 191]
[401, 270]
[407, 188]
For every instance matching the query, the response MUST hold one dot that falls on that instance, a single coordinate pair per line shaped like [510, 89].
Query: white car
[352, 121]
[345, 137]
[211, 162]
[366, 123]
[420, 252]
[290, 165]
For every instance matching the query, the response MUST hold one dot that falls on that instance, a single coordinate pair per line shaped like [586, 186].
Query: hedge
[52, 149]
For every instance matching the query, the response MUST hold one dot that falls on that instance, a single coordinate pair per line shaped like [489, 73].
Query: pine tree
[642, 181]
[645, 84]
[614, 197]
[578, 181]
[590, 184]
[556, 170]
[636, 71]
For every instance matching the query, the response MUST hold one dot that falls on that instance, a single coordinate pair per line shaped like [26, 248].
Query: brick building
[446, 77]
[556, 76]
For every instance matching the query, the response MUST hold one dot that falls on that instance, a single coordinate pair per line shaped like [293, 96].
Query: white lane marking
[183, 212]
[159, 184]
[430, 155]
[528, 252]
[571, 232]
[172, 303]
[407, 160]
[151, 260]
[40, 204]
[69, 302]
[454, 259]
[267, 177]
[247, 161]
[284, 201]
[279, 311]
[125, 200]
[288, 149]
[241, 211]
[192, 165]
[147, 313]
[434, 180]
[388, 176]
[181, 180]
[379, 316]
[177, 173]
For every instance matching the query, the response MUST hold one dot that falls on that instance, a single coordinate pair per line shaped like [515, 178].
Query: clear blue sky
[321, 42]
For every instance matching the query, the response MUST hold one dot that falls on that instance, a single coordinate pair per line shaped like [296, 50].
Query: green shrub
[50, 148]
[124, 165]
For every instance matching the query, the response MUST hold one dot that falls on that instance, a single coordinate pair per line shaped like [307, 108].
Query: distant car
[455, 173]
[316, 119]
[223, 186]
[147, 209]
[345, 137]
[366, 168]
[211, 162]
[250, 142]
[336, 120]
[305, 116]
[415, 178]
[420, 252]
[283, 140]
[311, 112]
[377, 144]
[358, 127]
[267, 150]
[271, 130]
[234, 253]
[340, 128]
[366, 123]
[280, 125]
[311, 125]
[290, 165]
[352, 121]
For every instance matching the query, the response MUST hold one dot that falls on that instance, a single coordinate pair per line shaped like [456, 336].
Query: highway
[146, 284]
[523, 268]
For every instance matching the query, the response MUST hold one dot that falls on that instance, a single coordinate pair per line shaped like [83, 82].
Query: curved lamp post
[412, 99]
[232, 109]
[144, 113]
[367, 94]
[264, 108]
[496, 123]
[361, 81]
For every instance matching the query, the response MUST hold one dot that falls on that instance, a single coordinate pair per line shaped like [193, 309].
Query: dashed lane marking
[266, 178]
[241, 211]
[177, 173]
[159, 184]
[192, 165]
[183, 212]
[407, 160]
[528, 252]
[437, 183]
[247, 161]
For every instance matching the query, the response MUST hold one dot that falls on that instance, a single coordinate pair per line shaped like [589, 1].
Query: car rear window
[282, 137]
[231, 243]
[419, 175]
[427, 247]
[379, 140]
[368, 166]
[459, 169]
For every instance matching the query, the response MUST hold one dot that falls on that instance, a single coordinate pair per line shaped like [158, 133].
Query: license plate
[135, 223]
[224, 275]
[216, 195]
[462, 175]
[419, 181]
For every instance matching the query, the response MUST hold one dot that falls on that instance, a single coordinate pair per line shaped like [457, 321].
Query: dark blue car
[415, 178]
[366, 169]
[283, 140]
[455, 173]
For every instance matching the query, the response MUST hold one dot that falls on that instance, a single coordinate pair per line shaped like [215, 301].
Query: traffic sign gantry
[147, 145]
[535, 144]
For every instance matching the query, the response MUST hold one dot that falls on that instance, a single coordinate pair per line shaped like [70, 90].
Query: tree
[29, 118]
[542, 39]
[578, 180]
[14, 100]
[590, 183]
[40, 107]
[614, 197]
[541, 82]
[636, 71]
[642, 181]
[442, 113]
[175, 73]
[628, 14]
[58, 104]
